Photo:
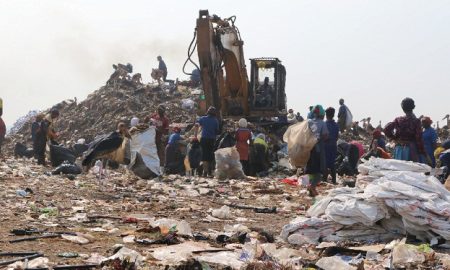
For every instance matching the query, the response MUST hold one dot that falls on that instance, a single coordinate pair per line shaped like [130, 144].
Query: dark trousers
[39, 150]
[331, 171]
[245, 167]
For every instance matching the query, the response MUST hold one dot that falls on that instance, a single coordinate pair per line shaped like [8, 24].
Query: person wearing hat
[174, 163]
[406, 131]
[315, 167]
[161, 122]
[162, 66]
[291, 117]
[331, 145]
[429, 137]
[243, 138]
[210, 129]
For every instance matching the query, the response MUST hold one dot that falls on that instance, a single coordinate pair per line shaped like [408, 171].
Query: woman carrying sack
[315, 167]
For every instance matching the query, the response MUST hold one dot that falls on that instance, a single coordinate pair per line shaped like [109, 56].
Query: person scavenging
[406, 131]
[161, 123]
[243, 140]
[331, 145]
[430, 138]
[162, 66]
[209, 130]
[315, 167]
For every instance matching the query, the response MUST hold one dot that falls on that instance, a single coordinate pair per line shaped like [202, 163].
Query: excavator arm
[223, 72]
[222, 64]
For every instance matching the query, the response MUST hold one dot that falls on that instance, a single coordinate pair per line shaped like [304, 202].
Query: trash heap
[393, 198]
[102, 109]
[22, 121]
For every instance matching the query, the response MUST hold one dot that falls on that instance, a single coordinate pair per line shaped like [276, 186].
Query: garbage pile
[102, 109]
[394, 198]
[22, 121]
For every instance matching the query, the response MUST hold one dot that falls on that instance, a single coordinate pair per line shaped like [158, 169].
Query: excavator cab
[267, 96]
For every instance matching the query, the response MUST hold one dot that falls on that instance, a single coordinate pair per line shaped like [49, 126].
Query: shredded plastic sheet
[397, 194]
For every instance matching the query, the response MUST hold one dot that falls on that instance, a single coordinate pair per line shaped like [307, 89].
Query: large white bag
[143, 148]
[301, 141]
[228, 165]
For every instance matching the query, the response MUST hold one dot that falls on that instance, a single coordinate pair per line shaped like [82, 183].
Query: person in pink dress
[243, 141]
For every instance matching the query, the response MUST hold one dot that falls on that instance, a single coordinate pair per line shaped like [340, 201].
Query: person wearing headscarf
[429, 137]
[331, 145]
[243, 138]
[378, 139]
[315, 167]
[406, 131]
[210, 129]
[161, 123]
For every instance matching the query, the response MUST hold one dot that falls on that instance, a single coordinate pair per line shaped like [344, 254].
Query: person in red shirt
[243, 139]
[406, 131]
[161, 122]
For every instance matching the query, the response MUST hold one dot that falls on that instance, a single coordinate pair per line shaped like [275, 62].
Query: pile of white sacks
[392, 198]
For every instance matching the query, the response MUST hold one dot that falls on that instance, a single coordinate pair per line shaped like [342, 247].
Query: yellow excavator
[223, 72]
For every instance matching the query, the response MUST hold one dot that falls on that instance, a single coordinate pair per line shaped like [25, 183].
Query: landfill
[134, 217]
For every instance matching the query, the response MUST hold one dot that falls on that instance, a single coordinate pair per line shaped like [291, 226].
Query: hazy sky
[372, 53]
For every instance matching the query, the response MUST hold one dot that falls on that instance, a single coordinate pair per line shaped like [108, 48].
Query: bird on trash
[108, 147]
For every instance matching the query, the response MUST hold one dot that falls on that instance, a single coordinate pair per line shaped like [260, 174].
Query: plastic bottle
[98, 168]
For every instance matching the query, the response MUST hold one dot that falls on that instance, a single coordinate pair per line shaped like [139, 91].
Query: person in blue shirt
[174, 162]
[282, 118]
[429, 137]
[210, 129]
[162, 66]
[331, 145]
[310, 113]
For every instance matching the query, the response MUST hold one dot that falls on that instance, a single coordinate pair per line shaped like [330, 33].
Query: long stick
[21, 259]
[34, 238]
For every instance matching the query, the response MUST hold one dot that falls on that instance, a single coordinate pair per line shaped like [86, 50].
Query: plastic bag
[67, 168]
[21, 150]
[348, 118]
[144, 144]
[228, 165]
[301, 141]
[59, 154]
[187, 104]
